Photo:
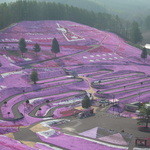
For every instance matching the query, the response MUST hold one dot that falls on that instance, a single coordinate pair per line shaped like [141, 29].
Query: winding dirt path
[90, 90]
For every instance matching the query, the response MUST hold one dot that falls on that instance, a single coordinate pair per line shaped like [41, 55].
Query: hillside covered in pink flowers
[105, 65]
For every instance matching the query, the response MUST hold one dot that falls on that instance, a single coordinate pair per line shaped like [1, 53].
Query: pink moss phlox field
[58, 112]
[45, 92]
[115, 139]
[11, 144]
[109, 40]
[92, 133]
[75, 100]
[43, 146]
[73, 143]
[102, 61]
[27, 120]
[5, 130]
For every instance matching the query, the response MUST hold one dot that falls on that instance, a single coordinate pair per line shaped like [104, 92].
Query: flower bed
[99, 55]
[58, 112]
[44, 146]
[110, 136]
[75, 142]
[115, 139]
[5, 130]
[60, 100]
[11, 144]
[70, 36]
[55, 91]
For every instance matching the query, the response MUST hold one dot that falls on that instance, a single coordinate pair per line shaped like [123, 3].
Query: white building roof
[147, 46]
[147, 106]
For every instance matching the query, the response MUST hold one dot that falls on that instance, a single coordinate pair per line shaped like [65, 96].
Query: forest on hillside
[133, 10]
[32, 10]
[128, 9]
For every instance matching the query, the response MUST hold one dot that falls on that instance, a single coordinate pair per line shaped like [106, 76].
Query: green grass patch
[135, 45]
[14, 53]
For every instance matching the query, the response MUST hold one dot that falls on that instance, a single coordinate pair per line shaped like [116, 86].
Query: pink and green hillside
[105, 64]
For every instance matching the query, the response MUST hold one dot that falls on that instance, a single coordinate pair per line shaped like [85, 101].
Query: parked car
[86, 113]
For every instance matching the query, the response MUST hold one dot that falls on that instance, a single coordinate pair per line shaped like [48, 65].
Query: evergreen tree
[135, 33]
[86, 102]
[55, 46]
[37, 48]
[144, 115]
[34, 76]
[144, 53]
[22, 46]
[27, 101]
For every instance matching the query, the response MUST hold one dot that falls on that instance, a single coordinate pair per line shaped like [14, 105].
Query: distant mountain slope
[129, 9]
[2, 1]
[85, 4]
